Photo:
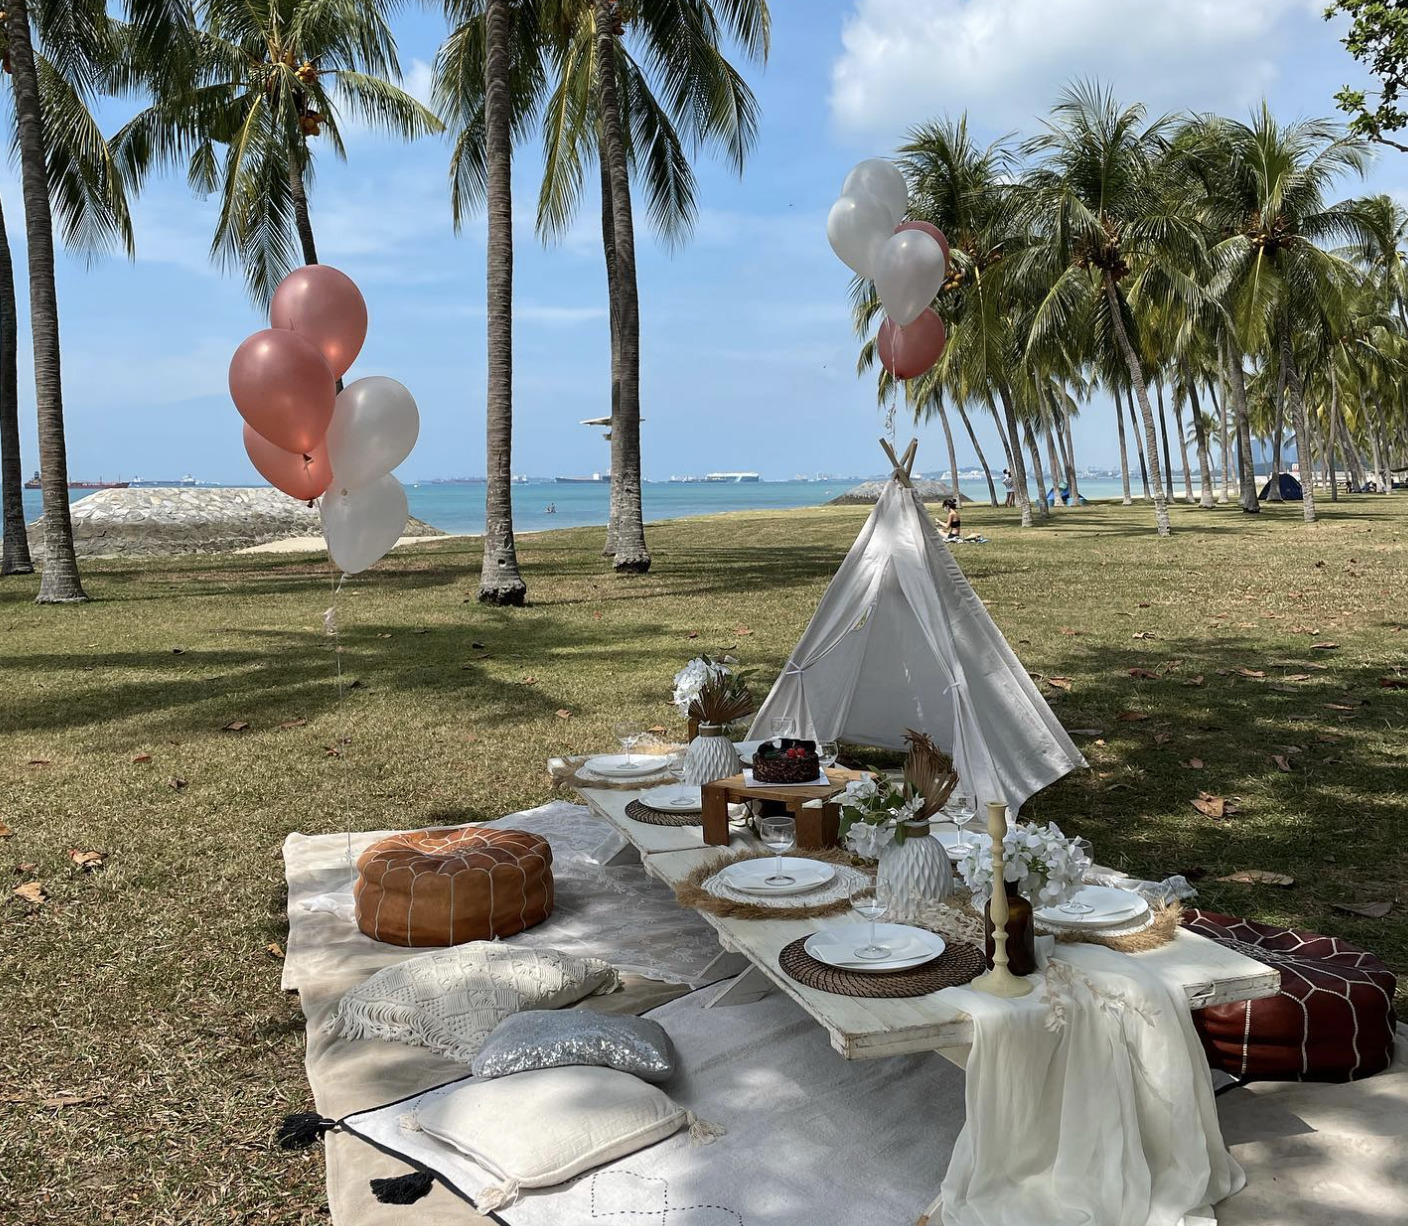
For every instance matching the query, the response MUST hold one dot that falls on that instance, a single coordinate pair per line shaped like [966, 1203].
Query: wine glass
[778, 834]
[827, 752]
[1074, 906]
[960, 812]
[870, 900]
[782, 726]
[629, 733]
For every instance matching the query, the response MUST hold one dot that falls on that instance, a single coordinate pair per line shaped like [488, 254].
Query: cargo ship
[594, 479]
[34, 483]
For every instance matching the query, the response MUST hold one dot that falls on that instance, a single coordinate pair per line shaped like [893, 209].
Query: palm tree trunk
[1163, 431]
[982, 459]
[1381, 474]
[632, 556]
[301, 221]
[1183, 449]
[60, 581]
[499, 580]
[1136, 376]
[15, 559]
[1237, 386]
[608, 246]
[1330, 435]
[1295, 391]
[1037, 473]
[948, 438]
[1012, 440]
[1278, 428]
[1200, 434]
[1051, 457]
[1068, 456]
[1220, 408]
[1128, 498]
[1139, 447]
[1352, 459]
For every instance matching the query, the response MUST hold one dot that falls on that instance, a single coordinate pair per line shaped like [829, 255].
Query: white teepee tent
[900, 640]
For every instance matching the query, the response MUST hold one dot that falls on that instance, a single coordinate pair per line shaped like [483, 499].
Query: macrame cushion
[1332, 1020]
[451, 1000]
[445, 887]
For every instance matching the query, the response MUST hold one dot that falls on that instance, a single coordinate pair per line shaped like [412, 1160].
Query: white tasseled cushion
[450, 1000]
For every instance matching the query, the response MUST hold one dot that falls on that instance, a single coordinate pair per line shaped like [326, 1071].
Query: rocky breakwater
[177, 519]
[867, 494]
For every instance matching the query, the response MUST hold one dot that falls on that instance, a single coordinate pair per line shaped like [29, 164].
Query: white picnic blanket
[1089, 1103]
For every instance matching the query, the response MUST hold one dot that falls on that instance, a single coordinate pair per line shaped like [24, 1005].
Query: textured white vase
[710, 756]
[916, 872]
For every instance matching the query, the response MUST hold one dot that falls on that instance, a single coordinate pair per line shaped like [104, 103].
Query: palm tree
[1106, 213]
[1272, 274]
[15, 559]
[266, 79]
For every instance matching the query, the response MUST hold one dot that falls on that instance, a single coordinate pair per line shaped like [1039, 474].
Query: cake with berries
[786, 761]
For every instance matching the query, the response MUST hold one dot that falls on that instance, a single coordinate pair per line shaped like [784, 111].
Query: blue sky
[747, 354]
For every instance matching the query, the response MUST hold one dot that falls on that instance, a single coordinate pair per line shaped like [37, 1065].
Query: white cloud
[1003, 61]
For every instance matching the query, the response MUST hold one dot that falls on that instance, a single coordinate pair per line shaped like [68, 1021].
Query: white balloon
[361, 524]
[881, 179]
[908, 273]
[857, 227]
[374, 426]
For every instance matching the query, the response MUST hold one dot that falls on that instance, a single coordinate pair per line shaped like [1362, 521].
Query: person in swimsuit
[953, 525]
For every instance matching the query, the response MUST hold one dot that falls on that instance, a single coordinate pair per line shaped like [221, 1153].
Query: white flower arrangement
[875, 814]
[1046, 867]
[692, 678]
[712, 690]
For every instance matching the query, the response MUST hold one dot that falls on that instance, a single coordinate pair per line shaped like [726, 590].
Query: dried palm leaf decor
[928, 772]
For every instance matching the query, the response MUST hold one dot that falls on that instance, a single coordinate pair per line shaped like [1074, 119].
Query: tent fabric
[901, 640]
[1290, 488]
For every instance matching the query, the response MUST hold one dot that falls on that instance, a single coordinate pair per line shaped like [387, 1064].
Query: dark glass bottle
[1021, 934]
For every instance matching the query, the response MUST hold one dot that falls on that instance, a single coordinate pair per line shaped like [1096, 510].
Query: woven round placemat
[960, 963]
[639, 812]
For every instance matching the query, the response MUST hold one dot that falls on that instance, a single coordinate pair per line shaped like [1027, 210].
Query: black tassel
[302, 1129]
[403, 1189]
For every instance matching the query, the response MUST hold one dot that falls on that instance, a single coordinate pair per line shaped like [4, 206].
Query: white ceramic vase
[710, 756]
[916, 872]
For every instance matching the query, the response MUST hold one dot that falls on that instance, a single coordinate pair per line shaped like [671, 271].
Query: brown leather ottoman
[1332, 1020]
[446, 887]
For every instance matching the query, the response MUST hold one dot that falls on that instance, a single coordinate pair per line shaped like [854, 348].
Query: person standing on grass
[1009, 487]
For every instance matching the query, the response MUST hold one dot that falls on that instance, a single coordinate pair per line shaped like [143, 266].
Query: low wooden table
[817, 824]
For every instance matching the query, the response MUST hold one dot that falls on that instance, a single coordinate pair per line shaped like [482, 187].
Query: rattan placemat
[639, 812]
[960, 963]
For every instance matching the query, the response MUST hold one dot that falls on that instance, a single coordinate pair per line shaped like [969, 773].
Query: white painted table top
[1208, 972]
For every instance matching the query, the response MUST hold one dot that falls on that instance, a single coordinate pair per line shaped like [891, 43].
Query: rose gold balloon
[324, 305]
[909, 351]
[931, 230]
[301, 476]
[283, 388]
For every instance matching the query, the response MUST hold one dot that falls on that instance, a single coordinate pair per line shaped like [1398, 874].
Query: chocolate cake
[791, 762]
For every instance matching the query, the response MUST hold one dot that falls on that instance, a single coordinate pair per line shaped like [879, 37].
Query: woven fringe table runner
[690, 891]
[569, 772]
[638, 811]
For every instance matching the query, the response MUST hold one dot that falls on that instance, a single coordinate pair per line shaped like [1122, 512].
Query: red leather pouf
[1332, 1020]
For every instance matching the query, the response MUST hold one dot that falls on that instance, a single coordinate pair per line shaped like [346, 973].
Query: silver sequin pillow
[541, 1038]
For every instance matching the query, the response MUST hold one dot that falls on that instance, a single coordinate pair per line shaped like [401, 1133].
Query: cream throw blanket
[1089, 1104]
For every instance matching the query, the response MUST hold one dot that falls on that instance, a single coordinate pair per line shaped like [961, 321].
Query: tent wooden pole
[901, 465]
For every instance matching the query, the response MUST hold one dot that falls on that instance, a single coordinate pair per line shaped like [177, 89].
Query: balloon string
[890, 412]
[330, 628]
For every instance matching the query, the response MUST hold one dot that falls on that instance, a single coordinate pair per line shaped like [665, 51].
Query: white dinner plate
[621, 766]
[750, 876]
[1112, 906]
[949, 838]
[908, 946]
[674, 798]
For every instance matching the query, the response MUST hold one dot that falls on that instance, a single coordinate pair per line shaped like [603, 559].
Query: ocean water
[460, 508]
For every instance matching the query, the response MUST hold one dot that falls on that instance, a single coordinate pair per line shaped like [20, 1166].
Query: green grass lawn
[147, 990]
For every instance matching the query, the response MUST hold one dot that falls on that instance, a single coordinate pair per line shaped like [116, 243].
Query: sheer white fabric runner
[1089, 1103]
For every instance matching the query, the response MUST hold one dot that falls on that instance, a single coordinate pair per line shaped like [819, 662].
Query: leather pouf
[1332, 1020]
[446, 887]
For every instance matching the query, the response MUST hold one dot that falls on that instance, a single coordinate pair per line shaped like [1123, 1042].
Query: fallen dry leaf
[1281, 689]
[1162, 738]
[1250, 672]
[39, 762]
[1394, 683]
[741, 630]
[357, 685]
[1324, 646]
[292, 723]
[1143, 604]
[274, 949]
[477, 646]
[1370, 910]
[1143, 674]
[470, 738]
[1144, 634]
[1195, 680]
[178, 651]
[529, 680]
[235, 725]
[1342, 706]
[88, 861]
[1131, 717]
[1193, 764]
[31, 892]
[142, 757]
[1069, 630]
[25, 870]
[693, 634]
[1224, 672]
[1296, 677]
[332, 751]
[56, 1100]
[421, 630]
[1209, 805]
[175, 783]
[1259, 876]
[383, 635]
[1282, 764]
[563, 713]
[5, 831]
[1060, 683]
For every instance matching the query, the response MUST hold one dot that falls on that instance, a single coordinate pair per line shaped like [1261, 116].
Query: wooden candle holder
[817, 827]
